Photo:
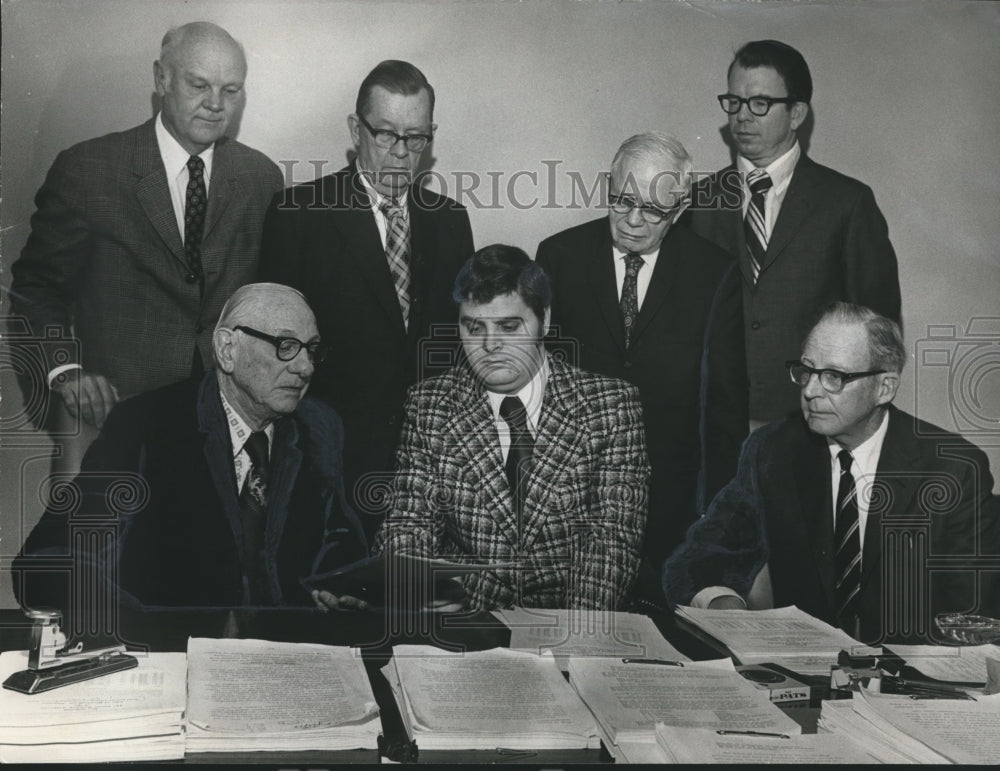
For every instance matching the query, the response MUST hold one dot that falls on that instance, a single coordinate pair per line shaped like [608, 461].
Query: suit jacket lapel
[601, 268]
[730, 179]
[222, 184]
[813, 477]
[153, 191]
[661, 284]
[799, 200]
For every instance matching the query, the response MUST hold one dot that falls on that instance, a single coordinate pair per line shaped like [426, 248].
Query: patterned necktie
[753, 224]
[629, 303]
[195, 207]
[253, 502]
[397, 252]
[846, 536]
[521, 446]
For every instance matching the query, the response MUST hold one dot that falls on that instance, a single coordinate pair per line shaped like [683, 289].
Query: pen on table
[724, 732]
[931, 688]
[662, 662]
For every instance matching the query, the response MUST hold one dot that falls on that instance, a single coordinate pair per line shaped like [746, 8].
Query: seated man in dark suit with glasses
[220, 491]
[866, 517]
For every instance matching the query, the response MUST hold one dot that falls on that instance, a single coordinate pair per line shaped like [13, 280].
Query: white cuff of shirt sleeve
[57, 371]
[709, 593]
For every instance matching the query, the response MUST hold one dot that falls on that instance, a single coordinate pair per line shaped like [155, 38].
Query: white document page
[628, 699]
[256, 686]
[786, 636]
[586, 633]
[837, 716]
[961, 663]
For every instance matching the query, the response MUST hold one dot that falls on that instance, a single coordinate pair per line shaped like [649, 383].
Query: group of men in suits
[140, 237]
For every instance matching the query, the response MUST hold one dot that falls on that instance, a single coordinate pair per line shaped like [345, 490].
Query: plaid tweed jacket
[579, 540]
[105, 265]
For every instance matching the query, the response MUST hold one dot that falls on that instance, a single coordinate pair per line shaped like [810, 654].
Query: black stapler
[53, 664]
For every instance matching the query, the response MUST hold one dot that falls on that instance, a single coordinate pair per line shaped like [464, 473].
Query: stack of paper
[706, 745]
[960, 663]
[586, 633]
[487, 700]
[839, 718]
[628, 699]
[133, 715]
[786, 636]
[254, 695]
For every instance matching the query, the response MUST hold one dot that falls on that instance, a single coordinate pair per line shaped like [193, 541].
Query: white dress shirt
[531, 397]
[780, 171]
[175, 160]
[239, 432]
[641, 279]
[376, 200]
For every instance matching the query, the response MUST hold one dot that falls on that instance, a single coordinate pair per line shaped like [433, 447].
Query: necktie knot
[391, 207]
[512, 410]
[633, 262]
[759, 182]
[196, 166]
[256, 447]
[846, 459]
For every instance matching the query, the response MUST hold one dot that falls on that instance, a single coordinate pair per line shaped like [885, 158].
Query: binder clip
[853, 673]
[53, 664]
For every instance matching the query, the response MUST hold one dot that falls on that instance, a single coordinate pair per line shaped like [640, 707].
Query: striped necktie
[397, 252]
[847, 537]
[753, 224]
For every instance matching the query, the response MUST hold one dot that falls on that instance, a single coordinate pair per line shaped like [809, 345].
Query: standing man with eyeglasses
[659, 307]
[804, 235]
[223, 490]
[868, 518]
[376, 255]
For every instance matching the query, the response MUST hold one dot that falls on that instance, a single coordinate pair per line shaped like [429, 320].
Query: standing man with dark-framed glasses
[860, 514]
[376, 255]
[804, 235]
[224, 490]
[659, 307]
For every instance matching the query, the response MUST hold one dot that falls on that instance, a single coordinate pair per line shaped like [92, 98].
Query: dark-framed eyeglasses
[385, 138]
[623, 204]
[758, 105]
[832, 380]
[287, 348]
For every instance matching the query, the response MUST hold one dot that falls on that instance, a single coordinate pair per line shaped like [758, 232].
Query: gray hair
[195, 31]
[885, 338]
[663, 150]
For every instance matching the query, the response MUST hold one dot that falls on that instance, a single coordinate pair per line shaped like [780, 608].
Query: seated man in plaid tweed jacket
[513, 457]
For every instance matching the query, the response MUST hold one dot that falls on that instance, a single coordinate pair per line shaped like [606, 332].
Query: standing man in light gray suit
[140, 236]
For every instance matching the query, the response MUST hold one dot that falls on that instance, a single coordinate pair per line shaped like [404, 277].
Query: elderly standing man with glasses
[659, 307]
[866, 517]
[234, 480]
[804, 234]
[375, 253]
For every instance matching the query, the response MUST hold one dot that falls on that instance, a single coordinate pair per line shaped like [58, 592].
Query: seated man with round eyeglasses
[863, 516]
[219, 491]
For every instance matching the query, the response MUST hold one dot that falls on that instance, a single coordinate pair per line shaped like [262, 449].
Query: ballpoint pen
[662, 662]
[725, 732]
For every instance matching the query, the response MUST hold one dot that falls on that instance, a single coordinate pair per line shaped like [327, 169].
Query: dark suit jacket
[927, 525]
[160, 480]
[105, 256]
[322, 239]
[585, 504]
[686, 357]
[830, 242]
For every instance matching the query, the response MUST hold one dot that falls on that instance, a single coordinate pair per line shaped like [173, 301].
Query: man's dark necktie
[522, 444]
[253, 502]
[630, 294]
[195, 206]
[753, 224]
[397, 252]
[847, 537]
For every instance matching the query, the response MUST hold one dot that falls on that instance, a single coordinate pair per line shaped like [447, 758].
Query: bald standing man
[140, 236]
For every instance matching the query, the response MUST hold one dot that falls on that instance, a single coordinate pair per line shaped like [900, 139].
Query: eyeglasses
[832, 380]
[287, 348]
[758, 105]
[385, 138]
[623, 204]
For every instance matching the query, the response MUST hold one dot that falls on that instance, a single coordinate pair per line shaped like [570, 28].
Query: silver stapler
[53, 664]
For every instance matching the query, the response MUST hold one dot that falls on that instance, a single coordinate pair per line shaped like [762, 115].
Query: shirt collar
[174, 156]
[648, 258]
[239, 431]
[531, 396]
[779, 170]
[376, 197]
[864, 453]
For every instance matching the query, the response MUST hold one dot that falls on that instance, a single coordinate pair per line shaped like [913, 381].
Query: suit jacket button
[191, 278]
[755, 325]
[628, 365]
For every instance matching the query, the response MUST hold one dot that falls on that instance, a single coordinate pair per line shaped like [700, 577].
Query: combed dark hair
[885, 338]
[498, 270]
[784, 59]
[396, 77]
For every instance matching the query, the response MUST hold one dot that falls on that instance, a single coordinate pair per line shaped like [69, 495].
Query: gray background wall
[905, 98]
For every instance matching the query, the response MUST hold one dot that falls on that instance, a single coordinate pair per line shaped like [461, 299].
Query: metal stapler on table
[53, 664]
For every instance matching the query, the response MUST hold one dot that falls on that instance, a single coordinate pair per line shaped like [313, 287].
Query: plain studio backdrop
[533, 98]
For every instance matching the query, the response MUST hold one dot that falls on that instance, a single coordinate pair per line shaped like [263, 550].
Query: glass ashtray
[969, 630]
